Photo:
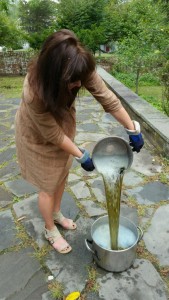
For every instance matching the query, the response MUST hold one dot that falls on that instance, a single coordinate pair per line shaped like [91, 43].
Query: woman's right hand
[85, 160]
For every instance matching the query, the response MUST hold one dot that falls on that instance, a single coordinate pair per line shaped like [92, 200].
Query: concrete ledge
[154, 124]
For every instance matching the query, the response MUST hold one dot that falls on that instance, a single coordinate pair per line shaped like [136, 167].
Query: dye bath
[101, 236]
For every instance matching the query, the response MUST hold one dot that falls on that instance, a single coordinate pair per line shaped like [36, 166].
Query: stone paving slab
[21, 276]
[157, 236]
[32, 220]
[81, 137]
[132, 178]
[8, 231]
[150, 193]
[129, 213]
[98, 189]
[88, 127]
[8, 171]
[5, 197]
[7, 155]
[5, 140]
[20, 187]
[92, 208]
[80, 190]
[71, 270]
[145, 163]
[142, 281]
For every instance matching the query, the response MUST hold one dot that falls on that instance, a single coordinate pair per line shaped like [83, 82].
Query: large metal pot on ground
[114, 260]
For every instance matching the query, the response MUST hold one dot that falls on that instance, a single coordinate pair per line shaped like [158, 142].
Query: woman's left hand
[136, 140]
[85, 161]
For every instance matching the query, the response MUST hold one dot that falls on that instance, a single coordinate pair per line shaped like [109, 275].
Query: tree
[84, 18]
[38, 19]
[92, 38]
[142, 46]
[79, 14]
[11, 35]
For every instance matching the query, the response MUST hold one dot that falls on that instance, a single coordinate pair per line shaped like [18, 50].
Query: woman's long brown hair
[62, 60]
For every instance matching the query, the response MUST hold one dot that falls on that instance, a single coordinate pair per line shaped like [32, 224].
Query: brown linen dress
[38, 135]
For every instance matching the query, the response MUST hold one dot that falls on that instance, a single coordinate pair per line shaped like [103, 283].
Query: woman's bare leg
[46, 207]
[59, 218]
[58, 196]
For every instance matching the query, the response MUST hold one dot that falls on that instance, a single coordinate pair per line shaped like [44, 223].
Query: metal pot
[113, 149]
[114, 260]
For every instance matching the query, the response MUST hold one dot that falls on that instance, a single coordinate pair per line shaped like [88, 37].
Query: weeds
[56, 290]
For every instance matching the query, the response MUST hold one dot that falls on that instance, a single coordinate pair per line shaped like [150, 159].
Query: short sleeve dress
[38, 135]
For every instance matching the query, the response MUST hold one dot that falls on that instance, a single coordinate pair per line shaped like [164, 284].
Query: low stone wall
[154, 124]
[14, 62]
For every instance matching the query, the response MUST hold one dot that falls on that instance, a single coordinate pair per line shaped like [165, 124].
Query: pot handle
[140, 234]
[93, 252]
[87, 246]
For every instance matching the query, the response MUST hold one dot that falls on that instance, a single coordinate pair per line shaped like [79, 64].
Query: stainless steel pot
[113, 149]
[114, 260]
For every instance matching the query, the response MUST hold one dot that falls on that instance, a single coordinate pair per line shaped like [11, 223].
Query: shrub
[149, 79]
[126, 79]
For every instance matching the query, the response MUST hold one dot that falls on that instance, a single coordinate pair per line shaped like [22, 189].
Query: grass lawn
[11, 86]
[152, 94]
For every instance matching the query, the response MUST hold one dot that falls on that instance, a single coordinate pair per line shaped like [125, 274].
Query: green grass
[152, 94]
[149, 87]
[103, 55]
[11, 86]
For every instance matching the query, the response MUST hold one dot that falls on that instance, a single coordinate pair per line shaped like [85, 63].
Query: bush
[129, 79]
[149, 79]
[126, 79]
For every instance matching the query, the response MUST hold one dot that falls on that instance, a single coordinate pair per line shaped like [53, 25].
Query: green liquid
[112, 171]
[113, 196]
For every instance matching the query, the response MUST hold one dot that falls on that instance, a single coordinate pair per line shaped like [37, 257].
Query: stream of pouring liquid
[112, 172]
[113, 196]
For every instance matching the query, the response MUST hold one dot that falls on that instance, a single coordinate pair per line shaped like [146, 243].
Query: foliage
[128, 79]
[142, 47]
[38, 19]
[11, 35]
[84, 18]
[79, 14]
[92, 38]
[56, 290]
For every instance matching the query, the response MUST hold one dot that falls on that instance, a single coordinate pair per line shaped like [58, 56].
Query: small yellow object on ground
[73, 296]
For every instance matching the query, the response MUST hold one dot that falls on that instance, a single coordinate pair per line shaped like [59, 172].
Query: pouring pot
[114, 260]
[110, 152]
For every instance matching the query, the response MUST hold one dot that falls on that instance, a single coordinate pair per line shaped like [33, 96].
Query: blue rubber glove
[136, 141]
[88, 165]
[135, 137]
[85, 161]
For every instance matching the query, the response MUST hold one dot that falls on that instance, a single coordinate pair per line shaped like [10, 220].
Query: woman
[45, 124]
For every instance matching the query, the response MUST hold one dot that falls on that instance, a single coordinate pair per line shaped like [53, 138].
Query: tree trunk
[137, 80]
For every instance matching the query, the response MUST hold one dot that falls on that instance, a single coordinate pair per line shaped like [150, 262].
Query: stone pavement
[26, 259]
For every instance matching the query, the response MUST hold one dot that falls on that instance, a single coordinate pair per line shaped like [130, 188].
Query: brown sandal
[57, 241]
[64, 222]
